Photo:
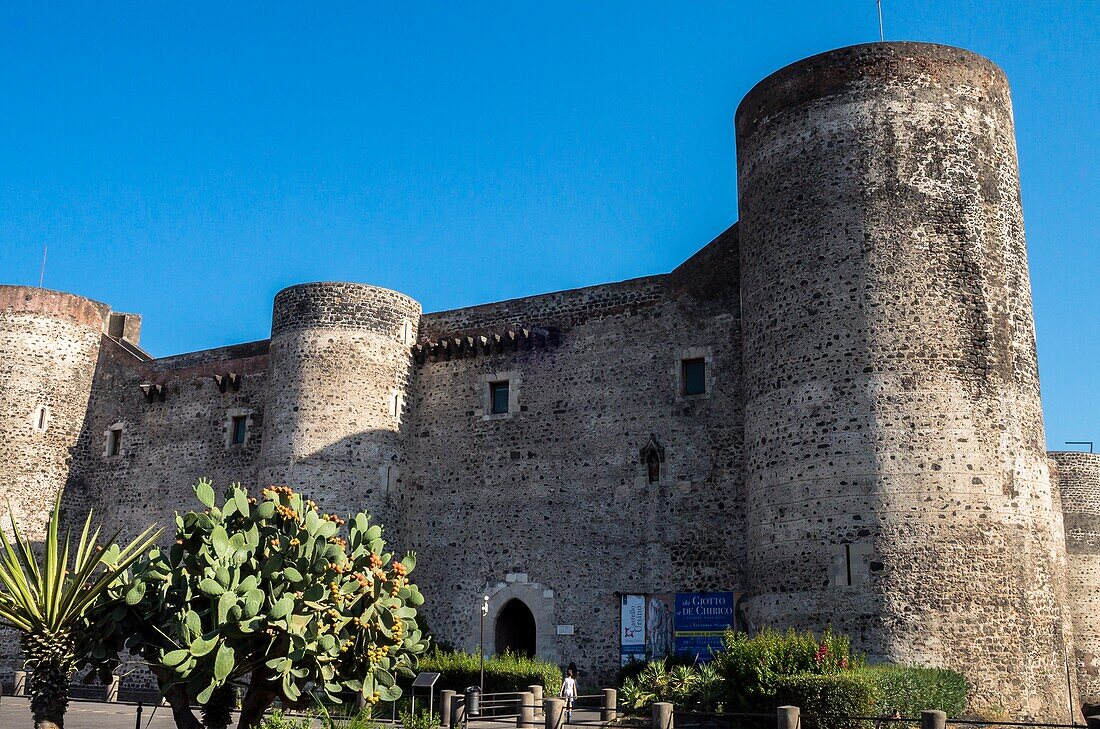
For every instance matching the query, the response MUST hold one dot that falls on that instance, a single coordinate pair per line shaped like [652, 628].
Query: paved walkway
[15, 713]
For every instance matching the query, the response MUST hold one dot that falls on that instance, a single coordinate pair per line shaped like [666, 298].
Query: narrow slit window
[694, 375]
[848, 564]
[114, 441]
[41, 416]
[240, 429]
[498, 397]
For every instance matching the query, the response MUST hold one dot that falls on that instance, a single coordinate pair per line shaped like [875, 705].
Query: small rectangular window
[114, 442]
[498, 397]
[240, 429]
[694, 376]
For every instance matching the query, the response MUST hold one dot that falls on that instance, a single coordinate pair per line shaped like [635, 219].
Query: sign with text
[701, 618]
[632, 634]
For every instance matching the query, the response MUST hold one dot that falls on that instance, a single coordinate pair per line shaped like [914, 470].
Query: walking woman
[569, 692]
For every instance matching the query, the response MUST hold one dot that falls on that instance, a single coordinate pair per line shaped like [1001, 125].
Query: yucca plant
[49, 602]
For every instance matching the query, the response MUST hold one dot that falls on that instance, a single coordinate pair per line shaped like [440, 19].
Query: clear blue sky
[187, 160]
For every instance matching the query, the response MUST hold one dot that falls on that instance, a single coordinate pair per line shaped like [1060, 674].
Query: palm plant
[50, 603]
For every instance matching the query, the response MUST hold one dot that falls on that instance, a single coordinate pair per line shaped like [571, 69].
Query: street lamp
[484, 612]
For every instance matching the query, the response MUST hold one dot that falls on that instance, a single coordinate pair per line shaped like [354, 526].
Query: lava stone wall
[551, 503]
[892, 398]
[169, 440]
[49, 342]
[1078, 476]
[340, 355]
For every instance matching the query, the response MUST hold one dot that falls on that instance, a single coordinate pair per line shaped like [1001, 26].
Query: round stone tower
[339, 369]
[1078, 477]
[49, 344]
[897, 482]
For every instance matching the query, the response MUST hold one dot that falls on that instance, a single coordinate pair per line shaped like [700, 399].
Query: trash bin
[473, 701]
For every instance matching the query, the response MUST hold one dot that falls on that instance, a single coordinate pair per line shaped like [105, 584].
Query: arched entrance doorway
[515, 629]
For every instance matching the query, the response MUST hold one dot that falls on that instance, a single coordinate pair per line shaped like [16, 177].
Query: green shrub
[752, 665]
[912, 690]
[507, 672]
[421, 720]
[821, 696]
[278, 720]
[693, 688]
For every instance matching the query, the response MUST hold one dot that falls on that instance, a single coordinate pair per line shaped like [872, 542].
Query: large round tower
[1079, 483]
[339, 368]
[49, 343]
[897, 484]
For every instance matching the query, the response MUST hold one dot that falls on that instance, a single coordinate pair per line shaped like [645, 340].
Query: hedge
[507, 672]
[853, 693]
[912, 690]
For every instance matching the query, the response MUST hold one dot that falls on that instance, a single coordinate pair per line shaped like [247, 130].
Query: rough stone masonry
[832, 409]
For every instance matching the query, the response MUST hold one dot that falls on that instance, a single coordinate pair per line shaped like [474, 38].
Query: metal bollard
[526, 717]
[458, 712]
[933, 720]
[536, 691]
[446, 696]
[610, 705]
[787, 717]
[112, 689]
[20, 684]
[137, 723]
[662, 715]
[554, 713]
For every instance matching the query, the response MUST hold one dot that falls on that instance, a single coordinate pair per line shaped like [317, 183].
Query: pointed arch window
[653, 458]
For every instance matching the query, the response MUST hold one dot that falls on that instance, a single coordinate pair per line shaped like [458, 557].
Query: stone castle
[832, 409]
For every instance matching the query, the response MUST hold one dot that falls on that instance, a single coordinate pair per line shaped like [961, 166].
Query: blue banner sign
[701, 619]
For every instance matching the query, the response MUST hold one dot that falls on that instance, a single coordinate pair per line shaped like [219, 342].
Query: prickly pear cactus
[272, 589]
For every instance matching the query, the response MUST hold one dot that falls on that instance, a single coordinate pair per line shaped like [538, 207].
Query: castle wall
[551, 503]
[1078, 476]
[897, 480]
[172, 438]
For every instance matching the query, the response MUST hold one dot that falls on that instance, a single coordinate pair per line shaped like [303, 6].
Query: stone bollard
[787, 717]
[662, 715]
[933, 720]
[446, 696]
[526, 717]
[554, 713]
[458, 711]
[1093, 722]
[112, 689]
[536, 691]
[20, 684]
[610, 705]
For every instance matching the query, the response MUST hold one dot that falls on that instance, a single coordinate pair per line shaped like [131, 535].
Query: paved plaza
[15, 713]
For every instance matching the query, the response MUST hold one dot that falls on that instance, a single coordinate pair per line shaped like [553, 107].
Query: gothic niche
[653, 455]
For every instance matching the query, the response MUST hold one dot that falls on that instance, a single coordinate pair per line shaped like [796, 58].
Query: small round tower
[49, 344]
[1078, 477]
[897, 484]
[339, 368]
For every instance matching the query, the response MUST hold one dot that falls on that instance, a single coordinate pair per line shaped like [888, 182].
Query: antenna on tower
[881, 37]
[42, 273]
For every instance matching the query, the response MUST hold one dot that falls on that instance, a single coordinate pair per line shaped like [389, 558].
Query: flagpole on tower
[881, 37]
[42, 273]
